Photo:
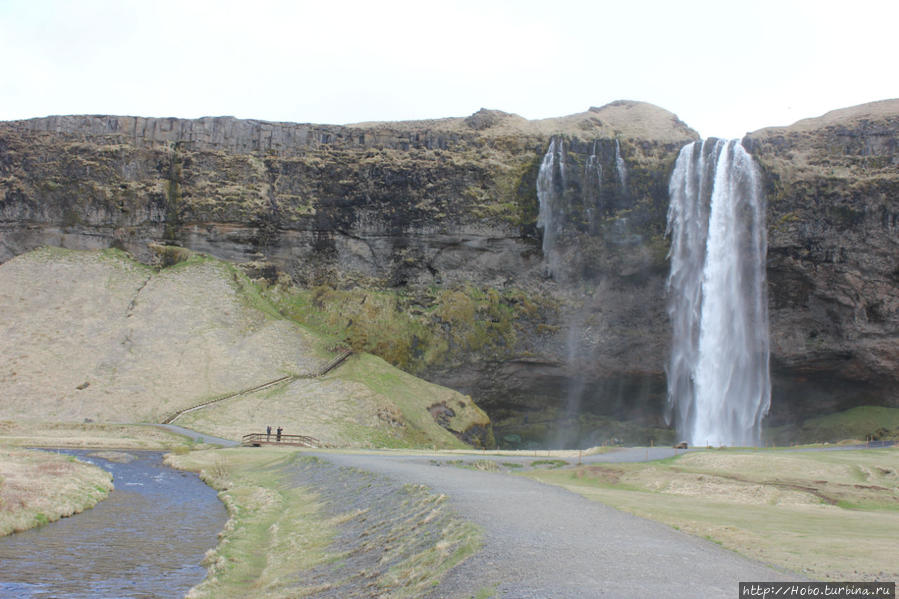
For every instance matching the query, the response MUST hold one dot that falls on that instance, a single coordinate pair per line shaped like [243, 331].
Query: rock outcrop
[442, 216]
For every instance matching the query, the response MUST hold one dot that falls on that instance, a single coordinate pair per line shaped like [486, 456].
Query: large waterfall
[718, 382]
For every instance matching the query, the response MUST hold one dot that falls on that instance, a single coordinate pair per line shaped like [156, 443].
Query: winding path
[543, 542]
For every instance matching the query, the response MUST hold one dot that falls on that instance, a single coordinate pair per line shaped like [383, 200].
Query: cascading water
[621, 167]
[550, 197]
[718, 380]
[568, 201]
[592, 188]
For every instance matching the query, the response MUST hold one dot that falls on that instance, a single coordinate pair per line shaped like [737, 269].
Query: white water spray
[719, 387]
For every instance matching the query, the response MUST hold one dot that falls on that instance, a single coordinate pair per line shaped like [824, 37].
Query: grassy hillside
[96, 336]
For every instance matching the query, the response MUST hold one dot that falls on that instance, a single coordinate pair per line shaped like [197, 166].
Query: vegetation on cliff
[417, 329]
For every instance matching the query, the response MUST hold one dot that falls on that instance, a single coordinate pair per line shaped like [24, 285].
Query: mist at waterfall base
[719, 385]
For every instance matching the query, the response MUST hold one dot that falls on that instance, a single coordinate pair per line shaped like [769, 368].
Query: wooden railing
[330, 365]
[219, 398]
[284, 379]
[259, 439]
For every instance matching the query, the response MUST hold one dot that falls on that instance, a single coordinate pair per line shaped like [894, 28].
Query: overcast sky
[725, 67]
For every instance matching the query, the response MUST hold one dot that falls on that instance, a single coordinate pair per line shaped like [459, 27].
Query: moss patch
[415, 330]
[859, 424]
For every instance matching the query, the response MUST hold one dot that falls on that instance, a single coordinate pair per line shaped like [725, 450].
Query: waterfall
[551, 182]
[718, 381]
[592, 188]
[621, 167]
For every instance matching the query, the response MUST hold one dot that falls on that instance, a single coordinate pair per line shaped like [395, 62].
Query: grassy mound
[96, 336]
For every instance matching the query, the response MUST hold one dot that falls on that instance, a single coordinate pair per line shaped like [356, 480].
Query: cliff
[832, 185]
[419, 241]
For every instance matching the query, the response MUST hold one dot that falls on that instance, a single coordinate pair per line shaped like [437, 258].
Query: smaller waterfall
[621, 167]
[551, 183]
[719, 385]
[592, 188]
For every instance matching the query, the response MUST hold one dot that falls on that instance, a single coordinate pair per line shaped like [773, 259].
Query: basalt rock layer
[441, 216]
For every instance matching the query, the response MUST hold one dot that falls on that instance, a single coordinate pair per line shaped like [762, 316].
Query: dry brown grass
[624, 118]
[872, 111]
[89, 435]
[38, 487]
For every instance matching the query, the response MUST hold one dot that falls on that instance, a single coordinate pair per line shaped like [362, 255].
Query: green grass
[855, 425]
[411, 396]
[279, 531]
[551, 464]
[413, 330]
[275, 530]
[486, 593]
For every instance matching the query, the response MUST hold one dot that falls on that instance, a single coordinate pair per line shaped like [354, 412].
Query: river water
[147, 539]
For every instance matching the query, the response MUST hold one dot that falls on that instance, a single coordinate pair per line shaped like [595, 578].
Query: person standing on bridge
[268, 433]
[278, 438]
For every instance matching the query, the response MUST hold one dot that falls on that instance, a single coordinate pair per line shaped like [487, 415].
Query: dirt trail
[542, 541]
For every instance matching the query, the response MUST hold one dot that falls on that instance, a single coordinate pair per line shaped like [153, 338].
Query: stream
[147, 539]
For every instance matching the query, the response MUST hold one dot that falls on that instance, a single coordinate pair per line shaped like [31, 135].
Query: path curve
[543, 541]
[202, 437]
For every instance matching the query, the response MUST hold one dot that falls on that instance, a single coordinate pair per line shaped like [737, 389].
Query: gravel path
[542, 541]
[202, 437]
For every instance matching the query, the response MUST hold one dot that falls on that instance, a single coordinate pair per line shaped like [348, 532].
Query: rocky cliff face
[442, 217]
[832, 185]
